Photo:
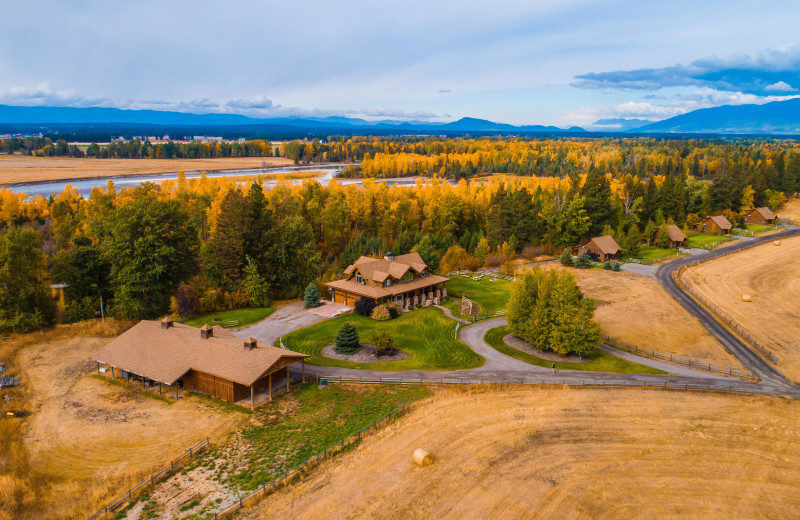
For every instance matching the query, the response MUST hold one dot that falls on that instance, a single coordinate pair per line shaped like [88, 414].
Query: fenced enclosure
[681, 360]
[164, 471]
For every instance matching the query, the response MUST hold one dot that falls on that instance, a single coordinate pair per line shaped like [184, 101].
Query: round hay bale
[422, 458]
[747, 297]
[776, 243]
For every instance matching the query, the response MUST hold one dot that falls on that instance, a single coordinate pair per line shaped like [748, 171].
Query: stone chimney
[250, 343]
[389, 257]
[166, 323]
[206, 331]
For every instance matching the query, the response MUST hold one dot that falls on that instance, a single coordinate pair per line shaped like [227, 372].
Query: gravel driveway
[283, 321]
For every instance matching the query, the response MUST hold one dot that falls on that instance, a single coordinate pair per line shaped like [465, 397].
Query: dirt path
[593, 454]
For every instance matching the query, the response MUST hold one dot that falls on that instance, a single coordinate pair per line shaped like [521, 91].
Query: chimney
[206, 331]
[388, 256]
[166, 323]
[250, 343]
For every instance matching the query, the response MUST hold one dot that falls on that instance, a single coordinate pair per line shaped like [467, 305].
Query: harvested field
[22, 168]
[791, 210]
[88, 439]
[594, 454]
[636, 310]
[772, 276]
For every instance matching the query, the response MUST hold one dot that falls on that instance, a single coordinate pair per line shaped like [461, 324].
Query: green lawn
[426, 334]
[491, 295]
[601, 362]
[245, 316]
[291, 429]
[760, 228]
[654, 253]
[701, 241]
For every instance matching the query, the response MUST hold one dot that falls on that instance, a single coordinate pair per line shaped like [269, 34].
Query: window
[407, 277]
[387, 282]
[359, 279]
[424, 272]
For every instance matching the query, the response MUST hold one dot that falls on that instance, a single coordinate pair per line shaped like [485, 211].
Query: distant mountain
[777, 117]
[617, 124]
[17, 115]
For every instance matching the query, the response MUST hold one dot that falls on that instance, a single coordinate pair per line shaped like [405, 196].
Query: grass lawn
[426, 334]
[244, 316]
[601, 362]
[491, 295]
[760, 228]
[701, 241]
[653, 252]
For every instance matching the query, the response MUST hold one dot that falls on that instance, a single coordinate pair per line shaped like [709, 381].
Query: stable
[208, 360]
[760, 216]
[603, 249]
[717, 225]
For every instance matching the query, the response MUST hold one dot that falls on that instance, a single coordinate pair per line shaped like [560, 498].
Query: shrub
[615, 266]
[509, 268]
[364, 306]
[381, 313]
[311, 296]
[394, 309]
[384, 343]
[492, 261]
[607, 266]
[531, 252]
[584, 261]
[347, 340]
[566, 258]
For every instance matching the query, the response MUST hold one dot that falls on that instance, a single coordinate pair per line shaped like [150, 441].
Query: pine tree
[312, 296]
[347, 340]
[255, 285]
[566, 258]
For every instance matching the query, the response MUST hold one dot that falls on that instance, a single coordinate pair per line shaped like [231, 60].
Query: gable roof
[765, 212]
[720, 221]
[167, 354]
[378, 269]
[675, 233]
[606, 244]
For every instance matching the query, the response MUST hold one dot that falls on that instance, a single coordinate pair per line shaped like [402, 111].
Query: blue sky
[567, 62]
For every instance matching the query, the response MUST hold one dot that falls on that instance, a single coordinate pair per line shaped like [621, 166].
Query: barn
[208, 360]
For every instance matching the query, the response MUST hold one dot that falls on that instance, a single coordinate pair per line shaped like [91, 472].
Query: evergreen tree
[596, 193]
[566, 258]
[630, 242]
[482, 249]
[311, 299]
[347, 340]
[25, 301]
[255, 285]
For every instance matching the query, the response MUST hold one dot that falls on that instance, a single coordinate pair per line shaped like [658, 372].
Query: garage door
[339, 297]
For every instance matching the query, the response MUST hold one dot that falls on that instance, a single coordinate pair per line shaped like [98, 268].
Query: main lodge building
[404, 279]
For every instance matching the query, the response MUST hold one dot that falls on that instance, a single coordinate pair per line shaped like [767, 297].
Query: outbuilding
[762, 215]
[603, 249]
[209, 360]
[717, 225]
[677, 238]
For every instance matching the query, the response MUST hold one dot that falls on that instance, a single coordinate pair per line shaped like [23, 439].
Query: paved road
[768, 374]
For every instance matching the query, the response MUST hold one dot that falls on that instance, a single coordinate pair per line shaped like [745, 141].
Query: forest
[192, 246]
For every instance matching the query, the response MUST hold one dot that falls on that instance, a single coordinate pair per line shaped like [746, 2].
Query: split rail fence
[681, 360]
[266, 489]
[721, 315]
[167, 469]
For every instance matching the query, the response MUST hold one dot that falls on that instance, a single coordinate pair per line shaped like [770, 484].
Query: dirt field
[634, 309]
[20, 168]
[590, 454]
[87, 439]
[772, 276]
[791, 210]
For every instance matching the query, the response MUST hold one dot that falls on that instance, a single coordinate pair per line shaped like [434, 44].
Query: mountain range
[775, 118]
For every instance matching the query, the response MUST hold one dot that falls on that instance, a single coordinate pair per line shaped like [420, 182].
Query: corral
[565, 453]
[771, 275]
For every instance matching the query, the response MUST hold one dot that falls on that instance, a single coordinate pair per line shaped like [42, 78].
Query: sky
[563, 63]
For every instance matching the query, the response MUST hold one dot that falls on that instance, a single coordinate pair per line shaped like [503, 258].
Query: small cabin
[762, 215]
[603, 249]
[677, 238]
[716, 225]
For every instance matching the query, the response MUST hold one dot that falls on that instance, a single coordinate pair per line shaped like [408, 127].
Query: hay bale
[747, 297]
[422, 458]
[776, 243]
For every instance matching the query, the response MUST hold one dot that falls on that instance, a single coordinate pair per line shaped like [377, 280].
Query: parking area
[287, 319]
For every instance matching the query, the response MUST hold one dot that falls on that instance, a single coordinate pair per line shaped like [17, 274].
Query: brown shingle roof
[675, 233]
[167, 354]
[721, 221]
[606, 244]
[374, 291]
[767, 213]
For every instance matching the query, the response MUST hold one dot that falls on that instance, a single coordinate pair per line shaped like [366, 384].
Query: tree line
[201, 245]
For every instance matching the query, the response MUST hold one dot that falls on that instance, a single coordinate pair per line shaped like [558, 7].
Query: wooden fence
[166, 470]
[296, 472]
[685, 287]
[681, 360]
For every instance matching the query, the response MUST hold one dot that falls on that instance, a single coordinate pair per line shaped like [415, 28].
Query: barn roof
[606, 244]
[166, 354]
[720, 221]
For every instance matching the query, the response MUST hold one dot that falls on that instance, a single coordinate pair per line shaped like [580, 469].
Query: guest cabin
[716, 225]
[208, 360]
[677, 238]
[603, 249]
[404, 279]
[760, 216]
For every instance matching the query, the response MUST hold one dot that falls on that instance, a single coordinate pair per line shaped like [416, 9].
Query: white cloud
[780, 86]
